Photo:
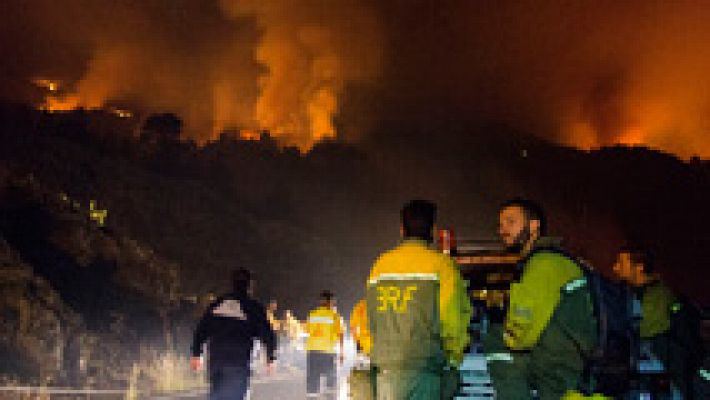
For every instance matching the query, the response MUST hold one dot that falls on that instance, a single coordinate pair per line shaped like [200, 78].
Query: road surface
[284, 384]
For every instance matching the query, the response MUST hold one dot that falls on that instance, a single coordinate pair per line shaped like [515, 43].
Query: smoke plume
[241, 65]
[584, 73]
[310, 49]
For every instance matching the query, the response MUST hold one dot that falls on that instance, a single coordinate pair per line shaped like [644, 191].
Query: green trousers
[555, 365]
[450, 382]
[509, 371]
[397, 384]
[361, 384]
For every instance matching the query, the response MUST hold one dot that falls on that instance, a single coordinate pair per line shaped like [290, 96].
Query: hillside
[80, 304]
[304, 222]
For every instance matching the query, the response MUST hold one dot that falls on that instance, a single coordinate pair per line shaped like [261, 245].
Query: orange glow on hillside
[249, 134]
[48, 84]
[679, 128]
[60, 103]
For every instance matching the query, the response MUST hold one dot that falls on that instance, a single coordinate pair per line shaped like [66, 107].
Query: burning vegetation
[588, 75]
[246, 66]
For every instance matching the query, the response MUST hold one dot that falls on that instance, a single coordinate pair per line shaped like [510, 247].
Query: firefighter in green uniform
[418, 312]
[657, 301]
[550, 327]
[658, 304]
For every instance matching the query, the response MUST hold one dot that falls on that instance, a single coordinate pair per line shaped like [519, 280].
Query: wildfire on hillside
[587, 74]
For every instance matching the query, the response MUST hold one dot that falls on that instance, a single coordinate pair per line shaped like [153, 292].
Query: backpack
[612, 362]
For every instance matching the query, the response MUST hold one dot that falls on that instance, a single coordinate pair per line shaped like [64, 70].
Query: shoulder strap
[556, 250]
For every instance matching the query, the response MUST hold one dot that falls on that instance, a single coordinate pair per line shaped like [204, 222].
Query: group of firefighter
[412, 325]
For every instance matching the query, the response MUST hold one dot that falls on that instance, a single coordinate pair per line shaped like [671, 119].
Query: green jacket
[550, 325]
[656, 308]
[418, 308]
[535, 297]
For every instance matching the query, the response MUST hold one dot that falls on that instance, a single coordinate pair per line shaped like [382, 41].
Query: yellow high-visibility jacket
[324, 328]
[359, 328]
[415, 256]
[535, 297]
[575, 395]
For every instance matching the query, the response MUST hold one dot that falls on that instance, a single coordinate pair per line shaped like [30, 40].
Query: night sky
[582, 73]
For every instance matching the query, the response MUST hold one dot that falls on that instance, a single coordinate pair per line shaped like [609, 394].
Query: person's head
[634, 266]
[327, 299]
[273, 305]
[520, 223]
[418, 218]
[241, 280]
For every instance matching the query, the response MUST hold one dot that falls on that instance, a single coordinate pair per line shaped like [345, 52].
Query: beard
[520, 241]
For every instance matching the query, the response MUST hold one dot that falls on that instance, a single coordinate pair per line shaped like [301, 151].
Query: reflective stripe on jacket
[400, 284]
[324, 330]
[534, 298]
[230, 325]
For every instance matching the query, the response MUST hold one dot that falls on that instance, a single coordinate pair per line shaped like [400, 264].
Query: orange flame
[60, 103]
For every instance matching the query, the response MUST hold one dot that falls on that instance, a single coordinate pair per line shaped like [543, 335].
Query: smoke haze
[581, 73]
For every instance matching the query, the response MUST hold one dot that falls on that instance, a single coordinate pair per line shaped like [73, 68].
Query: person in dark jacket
[230, 326]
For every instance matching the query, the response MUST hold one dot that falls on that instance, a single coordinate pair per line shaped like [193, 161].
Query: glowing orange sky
[586, 73]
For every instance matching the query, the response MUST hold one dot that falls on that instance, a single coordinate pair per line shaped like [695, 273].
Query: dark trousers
[229, 382]
[318, 364]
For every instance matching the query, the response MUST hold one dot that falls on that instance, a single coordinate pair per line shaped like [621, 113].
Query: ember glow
[586, 74]
[308, 56]
[48, 84]
[219, 65]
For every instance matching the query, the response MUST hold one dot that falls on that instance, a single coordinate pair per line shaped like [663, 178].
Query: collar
[410, 241]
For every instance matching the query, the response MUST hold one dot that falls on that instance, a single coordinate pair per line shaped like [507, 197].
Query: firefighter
[292, 326]
[418, 311]
[658, 304]
[325, 336]
[230, 325]
[701, 376]
[549, 328]
[361, 379]
[657, 301]
[359, 328]
[275, 323]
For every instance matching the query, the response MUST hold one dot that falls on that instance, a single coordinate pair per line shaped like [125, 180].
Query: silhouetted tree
[161, 128]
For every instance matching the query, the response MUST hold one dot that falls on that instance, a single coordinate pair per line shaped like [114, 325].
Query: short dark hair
[531, 209]
[640, 255]
[418, 218]
[241, 278]
[326, 295]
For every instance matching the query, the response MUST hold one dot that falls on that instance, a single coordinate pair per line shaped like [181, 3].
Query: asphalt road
[284, 384]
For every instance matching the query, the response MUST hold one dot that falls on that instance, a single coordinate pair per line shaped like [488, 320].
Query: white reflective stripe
[230, 309]
[321, 320]
[522, 312]
[575, 284]
[705, 374]
[499, 357]
[405, 277]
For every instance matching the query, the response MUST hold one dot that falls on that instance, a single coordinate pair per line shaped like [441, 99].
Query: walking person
[229, 327]
[325, 336]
